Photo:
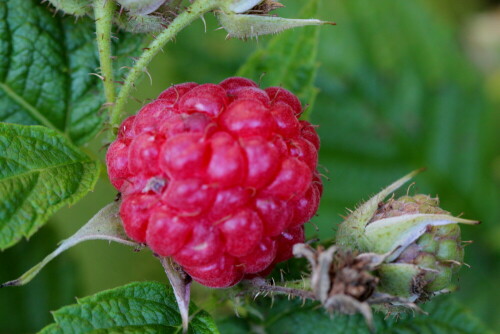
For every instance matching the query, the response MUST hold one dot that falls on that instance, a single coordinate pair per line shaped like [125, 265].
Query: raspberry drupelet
[219, 177]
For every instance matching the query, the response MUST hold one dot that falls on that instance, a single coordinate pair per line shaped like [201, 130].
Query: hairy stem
[260, 285]
[103, 12]
[192, 13]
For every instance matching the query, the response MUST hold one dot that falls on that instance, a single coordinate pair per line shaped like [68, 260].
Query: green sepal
[394, 234]
[249, 26]
[351, 231]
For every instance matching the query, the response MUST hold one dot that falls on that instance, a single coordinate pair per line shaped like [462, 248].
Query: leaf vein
[27, 106]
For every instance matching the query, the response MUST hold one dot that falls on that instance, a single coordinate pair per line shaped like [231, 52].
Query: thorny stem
[260, 285]
[195, 11]
[103, 12]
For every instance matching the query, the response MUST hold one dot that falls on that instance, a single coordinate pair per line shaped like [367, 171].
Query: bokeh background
[402, 85]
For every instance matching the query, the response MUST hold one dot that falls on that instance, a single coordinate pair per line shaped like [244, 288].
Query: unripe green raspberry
[420, 241]
[427, 265]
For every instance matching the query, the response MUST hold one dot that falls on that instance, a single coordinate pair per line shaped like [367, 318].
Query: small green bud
[420, 240]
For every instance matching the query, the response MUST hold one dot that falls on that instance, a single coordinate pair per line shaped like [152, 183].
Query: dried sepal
[348, 305]
[345, 282]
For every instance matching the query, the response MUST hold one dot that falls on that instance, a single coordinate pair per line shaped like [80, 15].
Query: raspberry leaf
[45, 67]
[145, 307]
[289, 60]
[445, 317]
[40, 173]
[105, 225]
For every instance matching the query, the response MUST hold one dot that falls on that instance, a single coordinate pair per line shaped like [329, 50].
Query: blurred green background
[402, 85]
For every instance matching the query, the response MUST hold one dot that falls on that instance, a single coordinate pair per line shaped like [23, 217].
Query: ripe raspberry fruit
[219, 177]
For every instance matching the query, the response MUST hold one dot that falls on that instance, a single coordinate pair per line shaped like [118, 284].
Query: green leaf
[40, 172]
[45, 66]
[288, 60]
[285, 316]
[145, 307]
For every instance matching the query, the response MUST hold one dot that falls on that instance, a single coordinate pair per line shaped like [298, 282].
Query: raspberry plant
[216, 180]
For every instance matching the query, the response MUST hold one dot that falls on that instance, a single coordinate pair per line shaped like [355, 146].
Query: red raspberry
[219, 177]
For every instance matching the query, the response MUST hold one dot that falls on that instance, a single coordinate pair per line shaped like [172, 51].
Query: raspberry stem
[260, 285]
[103, 12]
[192, 13]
